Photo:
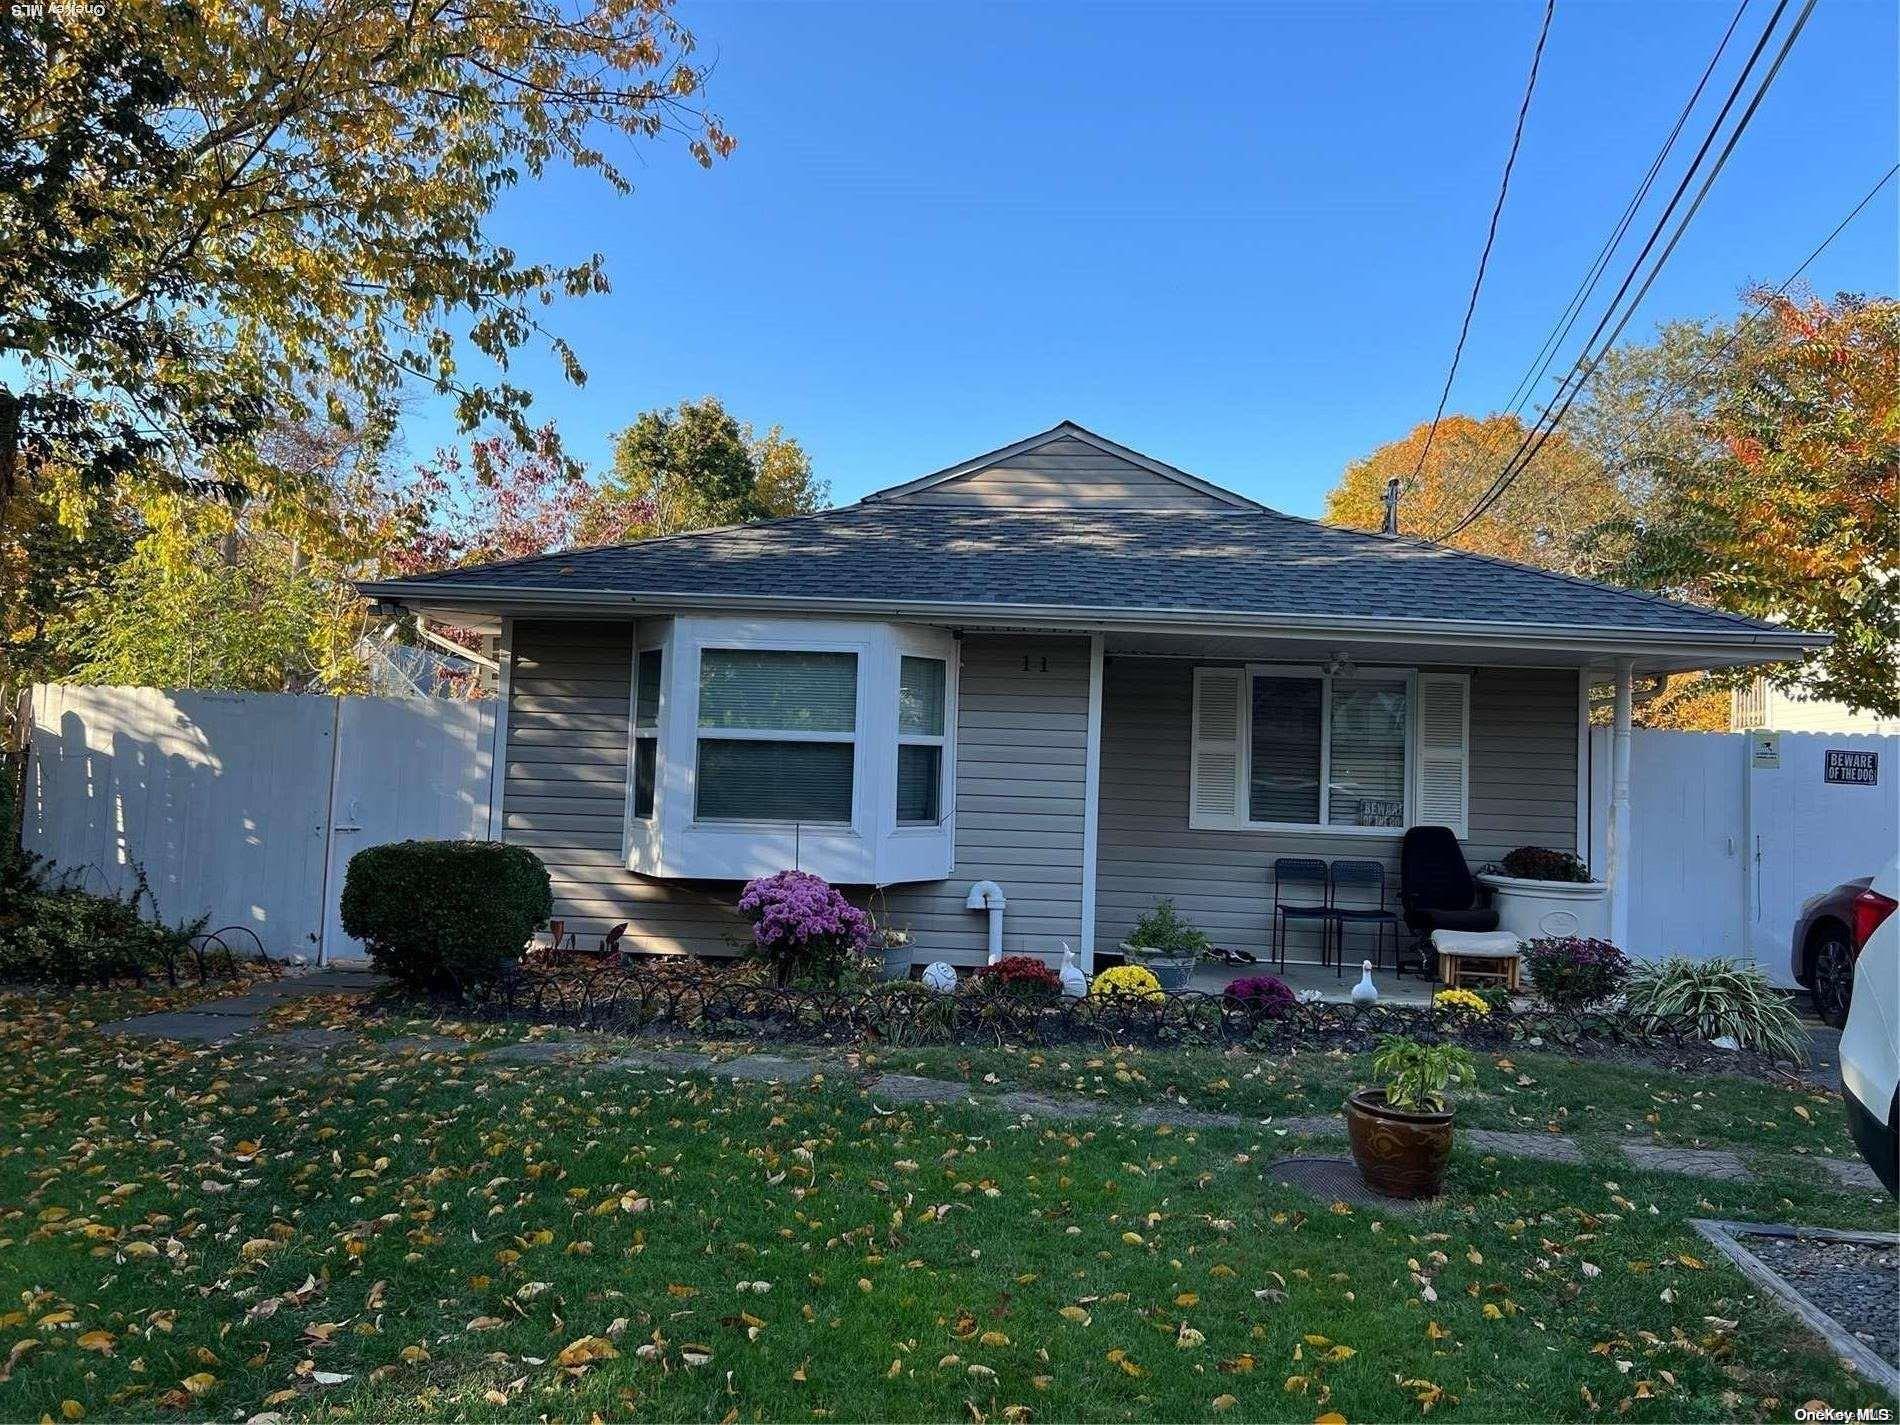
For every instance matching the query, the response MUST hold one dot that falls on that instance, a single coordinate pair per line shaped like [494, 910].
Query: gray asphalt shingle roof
[1229, 561]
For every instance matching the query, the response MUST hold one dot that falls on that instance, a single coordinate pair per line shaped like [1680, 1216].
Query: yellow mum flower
[1461, 1002]
[1134, 981]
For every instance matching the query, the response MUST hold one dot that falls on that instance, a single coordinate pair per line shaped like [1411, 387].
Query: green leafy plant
[437, 914]
[1719, 998]
[1540, 863]
[1163, 933]
[1417, 1077]
[53, 931]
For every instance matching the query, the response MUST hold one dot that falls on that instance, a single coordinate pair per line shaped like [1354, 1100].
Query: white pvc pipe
[987, 895]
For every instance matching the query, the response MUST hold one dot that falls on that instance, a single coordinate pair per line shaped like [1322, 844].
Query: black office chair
[1291, 873]
[1362, 882]
[1437, 890]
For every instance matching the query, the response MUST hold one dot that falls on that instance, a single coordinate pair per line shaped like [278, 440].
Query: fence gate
[245, 807]
[1731, 832]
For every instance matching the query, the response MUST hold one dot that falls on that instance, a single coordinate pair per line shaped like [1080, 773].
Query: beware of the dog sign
[1852, 769]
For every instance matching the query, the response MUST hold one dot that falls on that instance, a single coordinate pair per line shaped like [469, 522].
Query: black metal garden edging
[629, 1000]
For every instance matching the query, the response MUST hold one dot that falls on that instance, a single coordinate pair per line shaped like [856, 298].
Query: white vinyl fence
[1731, 832]
[246, 807]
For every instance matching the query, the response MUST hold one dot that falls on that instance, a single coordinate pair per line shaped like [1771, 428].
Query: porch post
[1619, 838]
[1091, 805]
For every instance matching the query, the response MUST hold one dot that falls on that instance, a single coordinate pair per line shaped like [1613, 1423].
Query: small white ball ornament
[939, 977]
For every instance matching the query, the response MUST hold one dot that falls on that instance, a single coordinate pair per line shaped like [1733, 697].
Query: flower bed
[713, 1002]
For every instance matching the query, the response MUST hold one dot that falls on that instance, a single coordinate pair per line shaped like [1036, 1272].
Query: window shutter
[1444, 751]
[1214, 774]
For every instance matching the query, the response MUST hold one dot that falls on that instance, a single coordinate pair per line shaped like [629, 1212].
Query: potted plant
[1572, 972]
[1020, 977]
[1541, 893]
[1401, 1131]
[890, 944]
[1166, 945]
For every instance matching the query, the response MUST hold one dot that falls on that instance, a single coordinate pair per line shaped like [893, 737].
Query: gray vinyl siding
[1062, 474]
[1523, 778]
[1022, 732]
[564, 796]
[1022, 750]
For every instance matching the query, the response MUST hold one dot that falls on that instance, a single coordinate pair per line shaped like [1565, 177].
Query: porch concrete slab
[186, 1026]
[906, 1088]
[767, 1068]
[668, 1061]
[1851, 1173]
[1333, 986]
[1715, 1163]
[1545, 1147]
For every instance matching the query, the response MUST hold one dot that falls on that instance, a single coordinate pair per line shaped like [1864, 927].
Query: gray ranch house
[1064, 667]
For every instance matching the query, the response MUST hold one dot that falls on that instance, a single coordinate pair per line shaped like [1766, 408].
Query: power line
[1688, 383]
[1592, 354]
[1484, 257]
[1566, 319]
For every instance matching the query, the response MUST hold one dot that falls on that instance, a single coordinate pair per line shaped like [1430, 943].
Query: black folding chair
[1438, 892]
[1362, 883]
[1295, 873]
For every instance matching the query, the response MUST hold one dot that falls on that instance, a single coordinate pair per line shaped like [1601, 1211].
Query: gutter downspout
[987, 895]
[1619, 827]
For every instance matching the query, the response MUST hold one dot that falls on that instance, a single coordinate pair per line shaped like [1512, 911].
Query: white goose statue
[1075, 984]
[1365, 992]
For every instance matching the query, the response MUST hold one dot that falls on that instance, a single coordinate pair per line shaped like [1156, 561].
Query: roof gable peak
[1066, 466]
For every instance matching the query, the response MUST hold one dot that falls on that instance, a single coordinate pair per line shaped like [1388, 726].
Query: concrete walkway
[220, 1021]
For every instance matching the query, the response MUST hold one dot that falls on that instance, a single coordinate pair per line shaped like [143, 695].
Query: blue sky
[1237, 237]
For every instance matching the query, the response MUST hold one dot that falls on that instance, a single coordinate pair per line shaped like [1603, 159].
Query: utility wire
[1587, 362]
[1688, 383]
[1560, 330]
[1484, 257]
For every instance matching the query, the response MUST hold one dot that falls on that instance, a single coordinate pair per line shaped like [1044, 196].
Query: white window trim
[940, 741]
[857, 737]
[1326, 680]
[635, 733]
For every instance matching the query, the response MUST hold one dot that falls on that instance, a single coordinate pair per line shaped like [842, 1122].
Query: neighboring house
[1761, 706]
[1062, 666]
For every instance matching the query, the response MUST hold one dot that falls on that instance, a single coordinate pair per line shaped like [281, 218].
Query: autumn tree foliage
[214, 216]
[1793, 514]
[1536, 522]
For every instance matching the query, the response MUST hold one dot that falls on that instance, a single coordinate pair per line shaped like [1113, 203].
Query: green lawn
[214, 1234]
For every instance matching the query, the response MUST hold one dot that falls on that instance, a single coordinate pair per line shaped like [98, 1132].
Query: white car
[1870, 1044]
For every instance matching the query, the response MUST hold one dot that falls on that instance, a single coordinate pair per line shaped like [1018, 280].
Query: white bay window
[1297, 748]
[825, 745]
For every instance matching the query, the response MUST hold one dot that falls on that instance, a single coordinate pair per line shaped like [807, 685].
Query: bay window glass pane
[920, 697]
[646, 759]
[646, 702]
[1366, 773]
[777, 690]
[1283, 784]
[773, 781]
[919, 783]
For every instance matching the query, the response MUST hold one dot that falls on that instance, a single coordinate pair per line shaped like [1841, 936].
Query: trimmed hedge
[439, 914]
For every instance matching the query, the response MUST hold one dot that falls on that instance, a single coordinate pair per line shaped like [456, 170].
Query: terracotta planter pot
[1400, 1153]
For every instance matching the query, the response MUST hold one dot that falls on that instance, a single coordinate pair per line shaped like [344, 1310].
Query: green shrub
[439, 914]
[53, 932]
[1719, 998]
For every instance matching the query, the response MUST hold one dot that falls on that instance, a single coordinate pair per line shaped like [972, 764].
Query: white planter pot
[1540, 910]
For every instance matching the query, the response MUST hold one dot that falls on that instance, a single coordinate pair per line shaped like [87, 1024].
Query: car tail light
[1870, 908]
